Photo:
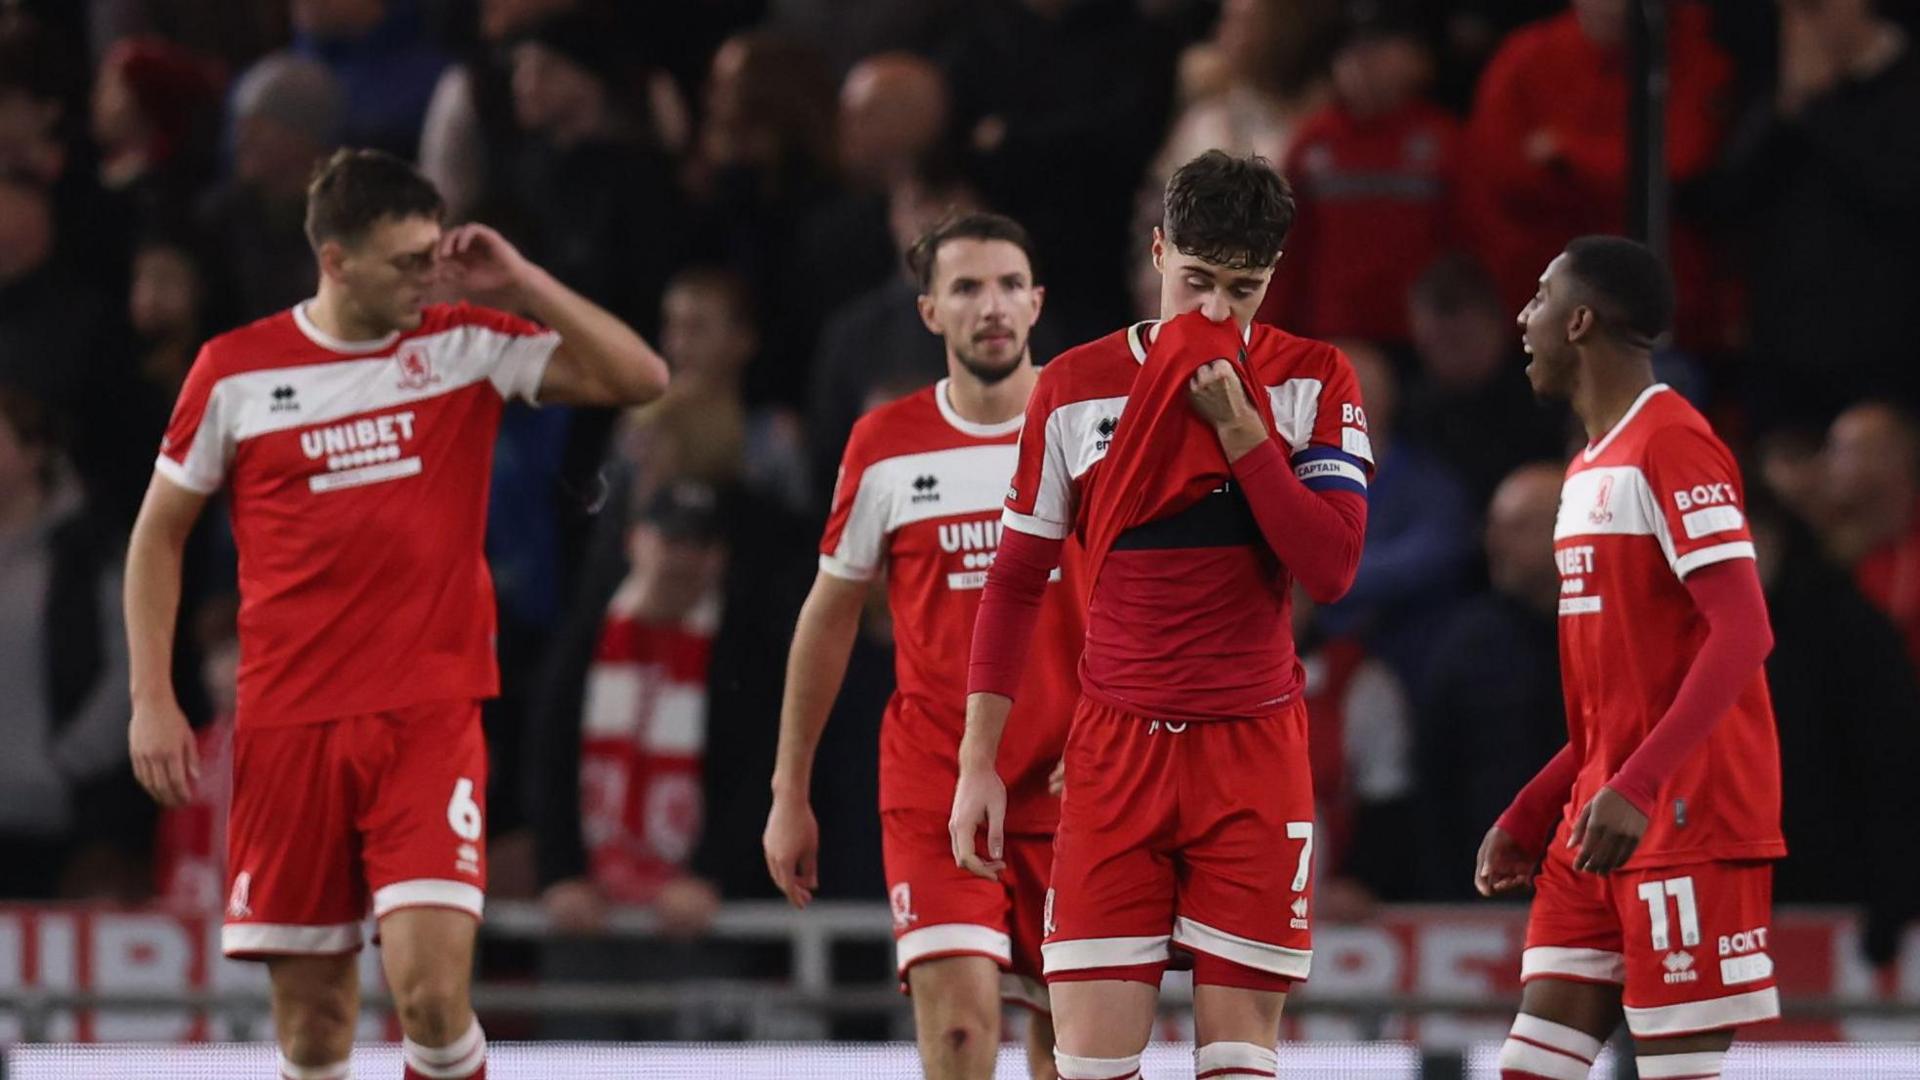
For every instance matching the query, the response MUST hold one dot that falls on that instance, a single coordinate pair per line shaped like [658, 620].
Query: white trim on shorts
[951, 939]
[1111, 952]
[428, 892]
[1714, 1014]
[288, 939]
[1258, 955]
[1588, 965]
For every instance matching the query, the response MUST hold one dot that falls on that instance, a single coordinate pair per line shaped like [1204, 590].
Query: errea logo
[924, 489]
[1679, 967]
[1704, 495]
[1105, 429]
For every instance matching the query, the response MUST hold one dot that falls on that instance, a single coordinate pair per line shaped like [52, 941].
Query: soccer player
[1657, 821]
[354, 433]
[918, 501]
[1207, 463]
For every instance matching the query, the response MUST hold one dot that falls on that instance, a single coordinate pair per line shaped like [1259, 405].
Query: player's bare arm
[816, 665]
[980, 793]
[1218, 396]
[600, 361]
[164, 756]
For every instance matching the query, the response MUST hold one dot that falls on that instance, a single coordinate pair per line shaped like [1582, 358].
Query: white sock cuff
[455, 1061]
[339, 1070]
[1558, 1036]
[1074, 1067]
[1532, 1059]
[1224, 1060]
[1702, 1065]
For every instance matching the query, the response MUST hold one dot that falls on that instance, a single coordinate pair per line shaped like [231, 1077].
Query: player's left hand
[480, 262]
[1216, 394]
[980, 794]
[1606, 832]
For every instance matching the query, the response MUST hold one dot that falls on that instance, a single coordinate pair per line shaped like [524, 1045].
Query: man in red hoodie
[1206, 463]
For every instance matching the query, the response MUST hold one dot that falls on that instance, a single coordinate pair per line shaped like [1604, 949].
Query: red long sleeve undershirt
[1316, 535]
[1728, 595]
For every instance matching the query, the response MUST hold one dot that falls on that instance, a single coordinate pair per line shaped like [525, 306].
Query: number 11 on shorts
[1655, 893]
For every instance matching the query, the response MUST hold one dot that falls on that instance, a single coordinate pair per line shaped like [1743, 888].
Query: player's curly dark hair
[1230, 210]
[352, 190]
[978, 225]
[1626, 284]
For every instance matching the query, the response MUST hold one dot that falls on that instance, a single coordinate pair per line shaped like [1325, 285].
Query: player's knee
[433, 1008]
[316, 1029]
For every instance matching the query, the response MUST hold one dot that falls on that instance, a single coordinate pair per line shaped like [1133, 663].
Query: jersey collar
[967, 427]
[1640, 402]
[333, 344]
[1139, 333]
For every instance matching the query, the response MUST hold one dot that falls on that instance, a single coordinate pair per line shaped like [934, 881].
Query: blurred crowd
[739, 178]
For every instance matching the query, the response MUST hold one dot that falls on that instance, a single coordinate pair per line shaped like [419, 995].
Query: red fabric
[1009, 608]
[1541, 804]
[1889, 576]
[1164, 456]
[1729, 597]
[1374, 207]
[1549, 77]
[1316, 534]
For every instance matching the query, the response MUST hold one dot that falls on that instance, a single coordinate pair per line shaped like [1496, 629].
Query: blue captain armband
[1327, 468]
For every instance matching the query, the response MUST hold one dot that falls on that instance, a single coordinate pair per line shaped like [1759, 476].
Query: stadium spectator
[1548, 140]
[286, 115]
[63, 660]
[1848, 790]
[1824, 208]
[893, 113]
[1490, 712]
[384, 61]
[1419, 545]
[167, 309]
[1466, 402]
[1057, 141]
[1373, 178]
[153, 105]
[1872, 511]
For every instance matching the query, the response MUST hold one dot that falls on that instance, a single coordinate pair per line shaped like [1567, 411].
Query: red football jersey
[1654, 500]
[359, 474]
[1206, 633]
[918, 500]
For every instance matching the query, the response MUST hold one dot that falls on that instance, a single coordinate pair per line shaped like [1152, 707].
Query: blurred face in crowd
[117, 122]
[1377, 74]
[892, 108]
[703, 334]
[1604, 22]
[1463, 348]
[1548, 325]
[331, 18]
[272, 157]
[26, 230]
[550, 91]
[675, 572]
[982, 299]
[1191, 283]
[1520, 523]
[1870, 460]
[501, 19]
[1841, 27]
[165, 298]
[388, 272]
[20, 464]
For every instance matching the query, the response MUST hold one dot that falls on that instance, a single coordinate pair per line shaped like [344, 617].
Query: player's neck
[978, 402]
[337, 317]
[1608, 388]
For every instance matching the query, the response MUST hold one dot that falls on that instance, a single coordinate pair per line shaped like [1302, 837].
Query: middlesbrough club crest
[1602, 511]
[416, 368]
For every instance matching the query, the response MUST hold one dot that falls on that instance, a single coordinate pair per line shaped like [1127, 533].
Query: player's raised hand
[480, 262]
[1502, 865]
[979, 794]
[1215, 392]
[166, 760]
[1606, 832]
[792, 845]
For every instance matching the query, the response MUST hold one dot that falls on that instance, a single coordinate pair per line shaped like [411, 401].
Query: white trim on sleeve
[1033, 526]
[177, 473]
[1597, 965]
[1707, 556]
[523, 364]
[236, 938]
[428, 892]
[1259, 955]
[844, 570]
[1715, 1014]
[950, 939]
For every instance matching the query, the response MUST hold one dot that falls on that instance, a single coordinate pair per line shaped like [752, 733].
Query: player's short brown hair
[1230, 210]
[977, 225]
[354, 190]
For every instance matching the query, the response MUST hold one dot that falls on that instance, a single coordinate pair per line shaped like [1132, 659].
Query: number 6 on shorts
[462, 812]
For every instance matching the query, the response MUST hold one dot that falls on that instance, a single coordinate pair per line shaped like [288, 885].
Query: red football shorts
[1688, 944]
[940, 910]
[1197, 836]
[331, 820]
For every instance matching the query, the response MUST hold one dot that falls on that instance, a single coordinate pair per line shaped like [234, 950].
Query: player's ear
[332, 257]
[925, 304]
[1039, 301]
[1159, 250]
[1581, 324]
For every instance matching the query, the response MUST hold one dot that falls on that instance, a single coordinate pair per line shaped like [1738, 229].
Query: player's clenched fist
[165, 758]
[1216, 393]
[792, 844]
[1503, 865]
[979, 795]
